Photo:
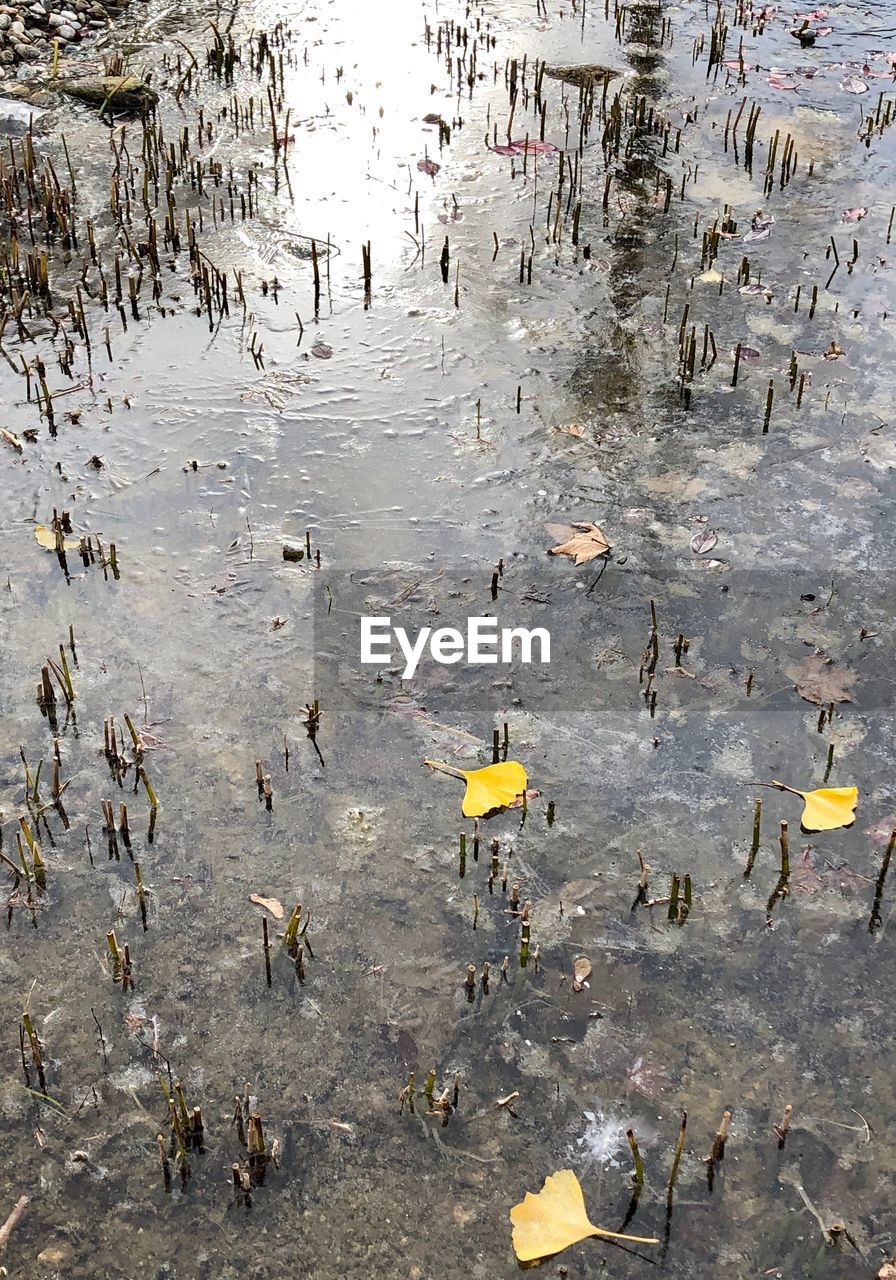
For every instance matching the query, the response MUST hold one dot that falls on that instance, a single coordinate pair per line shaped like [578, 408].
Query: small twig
[16, 1214]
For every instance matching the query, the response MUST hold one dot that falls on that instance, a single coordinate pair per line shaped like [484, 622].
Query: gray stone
[18, 27]
[127, 95]
[66, 33]
[5, 21]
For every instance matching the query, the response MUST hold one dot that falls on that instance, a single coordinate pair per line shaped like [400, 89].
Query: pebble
[27, 32]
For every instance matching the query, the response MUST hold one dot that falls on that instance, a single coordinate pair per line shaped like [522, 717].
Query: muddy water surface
[572, 358]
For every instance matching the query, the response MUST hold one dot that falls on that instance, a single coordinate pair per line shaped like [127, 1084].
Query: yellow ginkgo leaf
[494, 787]
[47, 538]
[827, 808]
[556, 1218]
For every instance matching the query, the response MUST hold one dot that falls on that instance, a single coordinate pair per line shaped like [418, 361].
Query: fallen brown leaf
[818, 679]
[581, 972]
[805, 876]
[531, 794]
[586, 544]
[11, 439]
[703, 541]
[269, 904]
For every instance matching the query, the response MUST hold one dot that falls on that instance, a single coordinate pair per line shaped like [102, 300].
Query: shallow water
[431, 443]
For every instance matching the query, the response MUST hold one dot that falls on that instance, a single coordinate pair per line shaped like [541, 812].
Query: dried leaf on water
[531, 794]
[825, 809]
[834, 352]
[581, 972]
[10, 438]
[853, 215]
[761, 225]
[269, 904]
[852, 84]
[818, 679]
[805, 876]
[555, 1218]
[572, 429]
[428, 166]
[488, 790]
[535, 146]
[322, 351]
[518, 147]
[586, 544]
[47, 538]
[703, 541]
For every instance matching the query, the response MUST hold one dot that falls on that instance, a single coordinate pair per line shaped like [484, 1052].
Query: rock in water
[583, 75]
[118, 93]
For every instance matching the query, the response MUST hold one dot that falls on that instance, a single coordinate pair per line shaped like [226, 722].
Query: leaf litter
[820, 680]
[269, 904]
[489, 790]
[550, 1221]
[584, 541]
[825, 809]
